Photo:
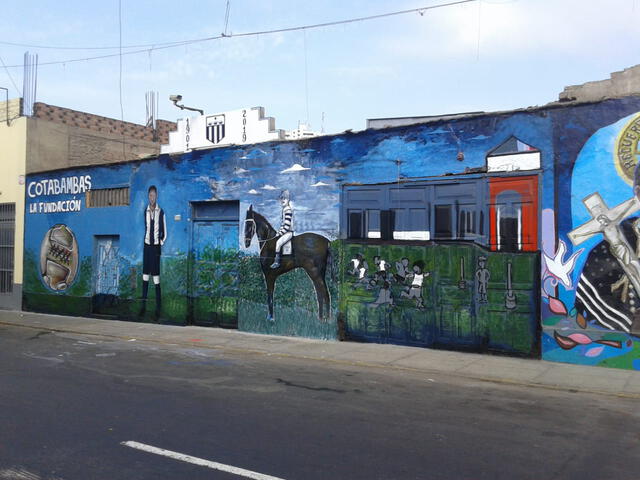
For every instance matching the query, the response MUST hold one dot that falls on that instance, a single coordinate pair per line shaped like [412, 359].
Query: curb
[499, 381]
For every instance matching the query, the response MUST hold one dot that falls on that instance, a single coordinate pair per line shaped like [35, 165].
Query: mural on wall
[441, 297]
[592, 312]
[430, 300]
[282, 251]
[454, 299]
[155, 234]
[59, 257]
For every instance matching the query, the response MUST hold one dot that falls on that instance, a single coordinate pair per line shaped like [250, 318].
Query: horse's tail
[331, 266]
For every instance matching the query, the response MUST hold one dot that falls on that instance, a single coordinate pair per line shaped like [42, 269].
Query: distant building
[59, 137]
[303, 131]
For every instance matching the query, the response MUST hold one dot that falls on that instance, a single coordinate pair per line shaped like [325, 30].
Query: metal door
[214, 273]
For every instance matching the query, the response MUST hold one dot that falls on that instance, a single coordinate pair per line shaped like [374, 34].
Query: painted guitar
[510, 300]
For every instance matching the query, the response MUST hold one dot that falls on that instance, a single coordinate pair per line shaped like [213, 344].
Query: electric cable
[145, 48]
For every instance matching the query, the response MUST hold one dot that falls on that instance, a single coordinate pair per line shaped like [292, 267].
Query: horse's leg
[270, 280]
[322, 292]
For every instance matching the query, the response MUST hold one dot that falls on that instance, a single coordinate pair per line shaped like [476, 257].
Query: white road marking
[199, 461]
[19, 473]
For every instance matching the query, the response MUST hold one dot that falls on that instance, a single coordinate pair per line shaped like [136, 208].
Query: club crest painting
[513, 232]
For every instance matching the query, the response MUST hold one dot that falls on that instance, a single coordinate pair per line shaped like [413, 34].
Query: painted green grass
[295, 303]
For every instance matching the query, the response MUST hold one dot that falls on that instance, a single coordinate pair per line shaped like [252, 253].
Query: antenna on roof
[151, 99]
[29, 83]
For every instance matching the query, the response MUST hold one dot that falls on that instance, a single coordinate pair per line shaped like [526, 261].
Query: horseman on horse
[281, 252]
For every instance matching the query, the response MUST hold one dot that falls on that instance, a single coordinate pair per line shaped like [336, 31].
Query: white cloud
[296, 167]
[269, 187]
[320, 184]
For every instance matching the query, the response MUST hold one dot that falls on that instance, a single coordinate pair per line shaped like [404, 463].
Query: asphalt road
[68, 402]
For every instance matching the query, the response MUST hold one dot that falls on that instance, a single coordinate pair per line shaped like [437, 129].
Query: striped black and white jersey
[286, 222]
[155, 226]
[597, 299]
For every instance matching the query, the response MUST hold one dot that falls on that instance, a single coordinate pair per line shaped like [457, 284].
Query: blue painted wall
[314, 171]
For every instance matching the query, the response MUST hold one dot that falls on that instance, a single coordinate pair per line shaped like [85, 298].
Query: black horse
[310, 251]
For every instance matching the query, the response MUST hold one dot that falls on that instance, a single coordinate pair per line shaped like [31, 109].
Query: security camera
[177, 98]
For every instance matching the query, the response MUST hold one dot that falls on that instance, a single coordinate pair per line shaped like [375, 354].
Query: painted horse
[309, 251]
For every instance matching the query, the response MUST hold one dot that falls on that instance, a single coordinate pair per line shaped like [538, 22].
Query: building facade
[54, 137]
[13, 134]
[511, 232]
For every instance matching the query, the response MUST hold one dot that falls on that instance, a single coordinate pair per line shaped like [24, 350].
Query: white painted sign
[49, 187]
[513, 162]
[237, 127]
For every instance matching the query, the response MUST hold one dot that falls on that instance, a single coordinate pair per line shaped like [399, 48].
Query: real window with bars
[7, 242]
[107, 197]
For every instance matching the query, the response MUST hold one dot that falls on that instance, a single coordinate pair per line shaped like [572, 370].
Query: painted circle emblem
[59, 257]
[627, 152]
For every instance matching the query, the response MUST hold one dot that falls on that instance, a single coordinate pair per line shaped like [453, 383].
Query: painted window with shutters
[107, 197]
[417, 210]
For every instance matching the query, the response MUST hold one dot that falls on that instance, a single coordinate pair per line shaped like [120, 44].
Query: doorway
[213, 271]
[106, 274]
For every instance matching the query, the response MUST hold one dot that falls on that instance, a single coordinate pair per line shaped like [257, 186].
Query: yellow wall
[13, 146]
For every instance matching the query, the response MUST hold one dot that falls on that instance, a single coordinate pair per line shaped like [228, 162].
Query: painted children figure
[384, 296]
[286, 227]
[155, 234]
[402, 270]
[360, 269]
[482, 279]
[417, 279]
[381, 268]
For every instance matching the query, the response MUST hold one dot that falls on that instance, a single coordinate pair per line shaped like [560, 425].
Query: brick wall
[103, 124]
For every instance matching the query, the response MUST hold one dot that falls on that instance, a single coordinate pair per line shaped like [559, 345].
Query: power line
[10, 77]
[161, 46]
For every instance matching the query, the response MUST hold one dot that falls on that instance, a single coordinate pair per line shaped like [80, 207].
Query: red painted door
[513, 215]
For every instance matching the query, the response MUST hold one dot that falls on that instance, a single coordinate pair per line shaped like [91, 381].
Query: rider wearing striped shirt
[285, 233]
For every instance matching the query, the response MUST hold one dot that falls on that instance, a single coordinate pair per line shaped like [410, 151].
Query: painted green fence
[447, 295]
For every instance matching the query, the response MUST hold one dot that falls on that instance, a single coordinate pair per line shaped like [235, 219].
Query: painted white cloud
[240, 171]
[296, 167]
[320, 184]
[269, 187]
[253, 191]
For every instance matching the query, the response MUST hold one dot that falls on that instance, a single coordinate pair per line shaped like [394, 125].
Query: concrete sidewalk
[485, 367]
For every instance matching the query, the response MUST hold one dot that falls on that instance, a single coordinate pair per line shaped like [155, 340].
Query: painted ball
[59, 257]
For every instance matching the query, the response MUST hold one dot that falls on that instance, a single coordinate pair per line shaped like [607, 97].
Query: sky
[484, 55]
